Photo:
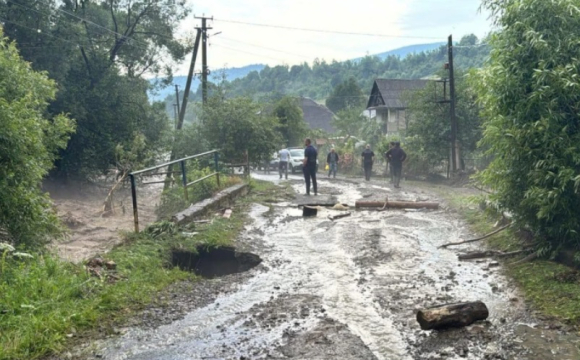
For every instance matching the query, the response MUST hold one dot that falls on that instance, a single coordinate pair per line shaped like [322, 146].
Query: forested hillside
[317, 80]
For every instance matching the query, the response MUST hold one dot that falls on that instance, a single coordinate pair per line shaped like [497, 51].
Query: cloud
[239, 44]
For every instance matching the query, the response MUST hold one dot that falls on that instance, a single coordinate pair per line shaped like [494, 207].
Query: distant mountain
[411, 49]
[316, 81]
[231, 74]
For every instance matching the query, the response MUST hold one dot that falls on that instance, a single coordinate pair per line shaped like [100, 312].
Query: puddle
[214, 262]
[340, 290]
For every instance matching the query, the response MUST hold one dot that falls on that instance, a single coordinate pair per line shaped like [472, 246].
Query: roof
[317, 116]
[388, 92]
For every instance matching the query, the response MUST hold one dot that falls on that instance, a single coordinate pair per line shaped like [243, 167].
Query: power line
[263, 47]
[470, 46]
[82, 19]
[248, 52]
[38, 31]
[326, 31]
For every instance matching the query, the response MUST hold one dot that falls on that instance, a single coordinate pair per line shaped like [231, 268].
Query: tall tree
[28, 144]
[430, 124]
[239, 125]
[99, 52]
[347, 94]
[350, 121]
[530, 100]
[291, 119]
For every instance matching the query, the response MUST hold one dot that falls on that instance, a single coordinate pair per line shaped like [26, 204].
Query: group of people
[395, 157]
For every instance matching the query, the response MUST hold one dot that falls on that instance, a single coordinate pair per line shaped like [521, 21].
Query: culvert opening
[214, 262]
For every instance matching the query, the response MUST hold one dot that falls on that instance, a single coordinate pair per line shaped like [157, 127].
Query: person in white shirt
[284, 158]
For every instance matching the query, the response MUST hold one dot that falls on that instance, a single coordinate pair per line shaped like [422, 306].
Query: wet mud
[345, 289]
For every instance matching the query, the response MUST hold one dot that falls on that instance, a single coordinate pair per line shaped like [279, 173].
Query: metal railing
[184, 182]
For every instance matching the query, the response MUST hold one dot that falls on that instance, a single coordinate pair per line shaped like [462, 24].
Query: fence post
[134, 197]
[247, 164]
[216, 158]
[184, 178]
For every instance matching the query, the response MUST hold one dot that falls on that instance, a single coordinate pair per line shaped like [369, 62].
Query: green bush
[173, 199]
[28, 145]
[529, 91]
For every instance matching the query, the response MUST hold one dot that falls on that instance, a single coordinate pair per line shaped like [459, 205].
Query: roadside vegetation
[47, 302]
[551, 288]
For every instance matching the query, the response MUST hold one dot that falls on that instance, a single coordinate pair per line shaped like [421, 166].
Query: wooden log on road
[397, 204]
[339, 216]
[452, 315]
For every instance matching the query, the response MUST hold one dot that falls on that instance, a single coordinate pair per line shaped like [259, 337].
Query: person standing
[267, 166]
[368, 158]
[389, 164]
[309, 166]
[283, 165]
[332, 161]
[396, 157]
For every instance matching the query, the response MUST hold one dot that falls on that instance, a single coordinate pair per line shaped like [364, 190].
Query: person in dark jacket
[368, 158]
[396, 157]
[309, 166]
[332, 161]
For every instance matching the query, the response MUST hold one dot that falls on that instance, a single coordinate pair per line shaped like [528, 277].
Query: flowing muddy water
[349, 289]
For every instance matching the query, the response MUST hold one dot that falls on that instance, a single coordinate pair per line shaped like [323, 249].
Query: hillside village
[421, 201]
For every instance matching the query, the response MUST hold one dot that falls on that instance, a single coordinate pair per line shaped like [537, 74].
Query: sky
[393, 24]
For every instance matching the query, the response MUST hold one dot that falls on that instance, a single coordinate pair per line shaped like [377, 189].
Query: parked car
[273, 164]
[296, 157]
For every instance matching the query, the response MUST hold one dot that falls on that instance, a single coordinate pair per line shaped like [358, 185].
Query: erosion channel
[349, 289]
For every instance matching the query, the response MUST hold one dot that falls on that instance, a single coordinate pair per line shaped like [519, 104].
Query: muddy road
[348, 289]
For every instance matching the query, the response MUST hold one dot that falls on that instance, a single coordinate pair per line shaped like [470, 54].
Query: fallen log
[477, 255]
[396, 204]
[487, 254]
[339, 216]
[476, 239]
[452, 315]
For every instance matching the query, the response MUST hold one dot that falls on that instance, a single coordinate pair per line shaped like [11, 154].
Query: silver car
[296, 157]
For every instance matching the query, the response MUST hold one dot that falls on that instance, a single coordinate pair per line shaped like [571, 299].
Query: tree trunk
[452, 315]
[396, 204]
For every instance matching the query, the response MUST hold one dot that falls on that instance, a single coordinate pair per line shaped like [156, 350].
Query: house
[387, 104]
[317, 116]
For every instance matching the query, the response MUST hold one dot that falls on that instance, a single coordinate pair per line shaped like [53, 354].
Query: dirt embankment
[80, 206]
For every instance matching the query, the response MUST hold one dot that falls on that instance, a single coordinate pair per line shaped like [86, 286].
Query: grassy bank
[552, 288]
[46, 302]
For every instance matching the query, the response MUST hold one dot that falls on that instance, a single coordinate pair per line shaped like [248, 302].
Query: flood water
[349, 289]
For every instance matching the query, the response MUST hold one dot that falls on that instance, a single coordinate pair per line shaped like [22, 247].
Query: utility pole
[183, 107]
[204, 68]
[177, 97]
[175, 115]
[454, 150]
[189, 80]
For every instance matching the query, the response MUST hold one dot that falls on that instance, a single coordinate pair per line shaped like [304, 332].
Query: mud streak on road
[347, 289]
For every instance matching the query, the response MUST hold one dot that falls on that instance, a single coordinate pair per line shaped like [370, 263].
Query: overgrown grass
[173, 199]
[46, 301]
[551, 288]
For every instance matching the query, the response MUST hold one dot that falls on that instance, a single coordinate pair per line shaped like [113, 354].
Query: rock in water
[452, 315]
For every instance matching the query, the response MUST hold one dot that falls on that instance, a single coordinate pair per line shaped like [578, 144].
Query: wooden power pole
[183, 107]
[204, 68]
[454, 148]
[189, 80]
